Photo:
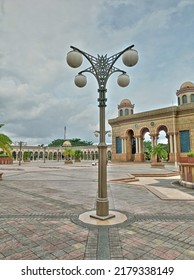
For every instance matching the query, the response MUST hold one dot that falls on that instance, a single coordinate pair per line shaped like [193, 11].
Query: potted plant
[160, 153]
[5, 159]
[190, 156]
[78, 155]
[5, 147]
[5, 143]
[186, 166]
[68, 154]
[26, 156]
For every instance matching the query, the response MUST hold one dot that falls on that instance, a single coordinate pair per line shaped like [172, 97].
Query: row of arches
[53, 155]
[131, 147]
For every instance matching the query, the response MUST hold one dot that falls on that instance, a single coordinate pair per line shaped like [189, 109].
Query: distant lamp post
[45, 147]
[57, 154]
[21, 144]
[102, 67]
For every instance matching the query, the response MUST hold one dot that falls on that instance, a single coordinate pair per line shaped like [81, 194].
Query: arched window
[192, 97]
[126, 112]
[121, 112]
[184, 99]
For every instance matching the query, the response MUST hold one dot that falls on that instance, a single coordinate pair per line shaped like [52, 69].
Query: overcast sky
[38, 96]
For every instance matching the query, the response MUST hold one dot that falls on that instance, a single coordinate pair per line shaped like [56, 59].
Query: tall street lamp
[102, 67]
[20, 143]
[107, 132]
[97, 133]
[44, 147]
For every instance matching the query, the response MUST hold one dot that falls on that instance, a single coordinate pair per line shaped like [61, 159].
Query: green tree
[5, 143]
[147, 149]
[73, 141]
[78, 154]
[79, 142]
[56, 143]
[26, 155]
[160, 150]
[68, 153]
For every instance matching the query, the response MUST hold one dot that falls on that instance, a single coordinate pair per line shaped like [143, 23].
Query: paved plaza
[41, 204]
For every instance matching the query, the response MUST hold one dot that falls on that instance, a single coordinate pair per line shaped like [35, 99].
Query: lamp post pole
[175, 144]
[102, 67]
[20, 143]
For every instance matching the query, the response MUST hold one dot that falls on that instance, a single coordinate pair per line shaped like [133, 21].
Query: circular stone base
[118, 218]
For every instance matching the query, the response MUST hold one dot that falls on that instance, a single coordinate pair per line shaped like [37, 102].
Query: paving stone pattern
[40, 206]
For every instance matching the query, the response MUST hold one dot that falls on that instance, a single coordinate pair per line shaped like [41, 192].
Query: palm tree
[159, 151]
[68, 153]
[5, 143]
[78, 155]
[147, 147]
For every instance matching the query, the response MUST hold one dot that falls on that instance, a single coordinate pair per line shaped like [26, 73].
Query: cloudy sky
[38, 96]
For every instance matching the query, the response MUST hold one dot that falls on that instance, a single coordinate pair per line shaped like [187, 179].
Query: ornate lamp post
[44, 147]
[107, 132]
[20, 143]
[97, 133]
[102, 67]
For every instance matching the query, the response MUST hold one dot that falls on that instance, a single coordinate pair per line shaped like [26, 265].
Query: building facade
[177, 122]
[55, 153]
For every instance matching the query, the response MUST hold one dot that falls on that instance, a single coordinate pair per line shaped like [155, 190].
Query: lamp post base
[102, 218]
[102, 210]
[91, 218]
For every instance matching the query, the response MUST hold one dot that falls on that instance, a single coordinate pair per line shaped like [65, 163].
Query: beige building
[177, 122]
[56, 153]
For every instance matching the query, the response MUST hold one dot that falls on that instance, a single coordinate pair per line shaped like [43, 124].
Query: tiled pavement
[40, 206]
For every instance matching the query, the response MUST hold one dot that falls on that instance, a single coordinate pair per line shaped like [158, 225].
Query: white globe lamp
[123, 80]
[74, 59]
[80, 80]
[130, 57]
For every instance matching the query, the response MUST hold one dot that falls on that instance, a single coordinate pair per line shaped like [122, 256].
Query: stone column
[137, 145]
[124, 149]
[140, 146]
[139, 157]
[173, 147]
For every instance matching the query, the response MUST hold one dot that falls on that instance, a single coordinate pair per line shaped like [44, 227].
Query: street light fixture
[97, 133]
[102, 67]
[20, 143]
[44, 147]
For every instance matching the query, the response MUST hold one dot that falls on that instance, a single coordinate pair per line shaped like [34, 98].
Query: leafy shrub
[190, 154]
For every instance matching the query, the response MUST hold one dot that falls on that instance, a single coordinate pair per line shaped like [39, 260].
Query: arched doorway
[163, 138]
[130, 145]
[14, 155]
[145, 144]
[162, 132]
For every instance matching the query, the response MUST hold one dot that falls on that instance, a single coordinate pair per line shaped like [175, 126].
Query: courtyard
[41, 204]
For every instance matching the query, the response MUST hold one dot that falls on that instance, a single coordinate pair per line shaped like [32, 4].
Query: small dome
[126, 102]
[125, 108]
[186, 85]
[66, 144]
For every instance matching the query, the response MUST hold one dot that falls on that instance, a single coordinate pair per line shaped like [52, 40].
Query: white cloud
[37, 93]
